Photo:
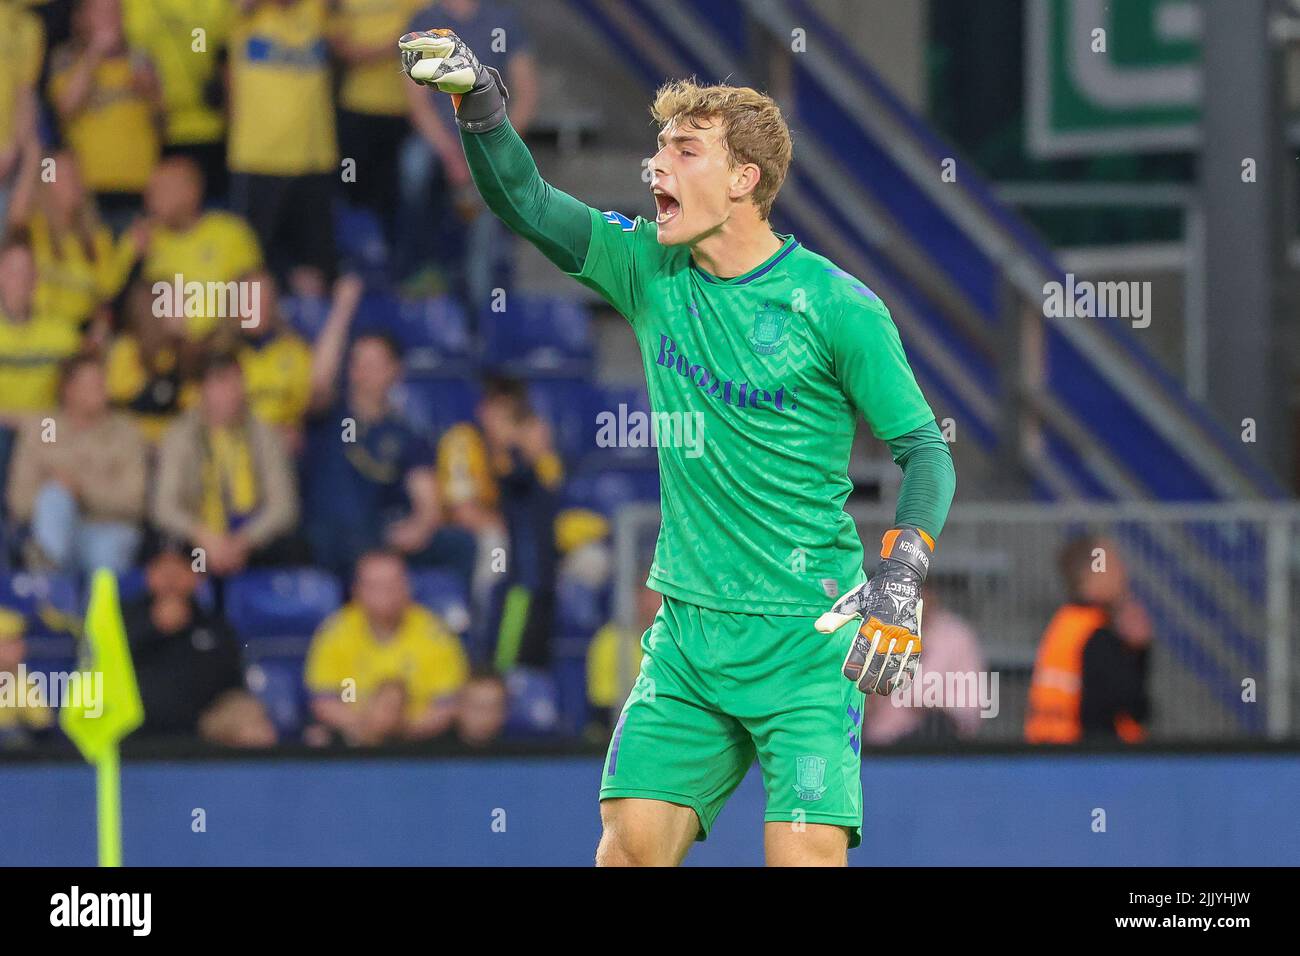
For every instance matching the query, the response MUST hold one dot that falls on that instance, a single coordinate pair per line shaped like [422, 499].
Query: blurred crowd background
[265, 355]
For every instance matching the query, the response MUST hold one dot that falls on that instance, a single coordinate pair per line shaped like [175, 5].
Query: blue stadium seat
[568, 404]
[620, 412]
[533, 708]
[571, 692]
[436, 338]
[580, 608]
[360, 239]
[537, 337]
[378, 312]
[49, 603]
[433, 405]
[290, 602]
[607, 491]
[306, 315]
[277, 682]
[444, 593]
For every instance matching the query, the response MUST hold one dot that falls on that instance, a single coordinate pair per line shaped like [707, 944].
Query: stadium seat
[360, 239]
[538, 337]
[378, 312]
[533, 710]
[607, 491]
[306, 315]
[277, 682]
[444, 593]
[568, 404]
[435, 338]
[49, 603]
[580, 608]
[281, 603]
[433, 405]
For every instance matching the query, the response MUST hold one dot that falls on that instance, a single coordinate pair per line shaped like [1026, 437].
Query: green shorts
[718, 689]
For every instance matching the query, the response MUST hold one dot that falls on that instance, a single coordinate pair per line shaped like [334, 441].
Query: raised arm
[503, 169]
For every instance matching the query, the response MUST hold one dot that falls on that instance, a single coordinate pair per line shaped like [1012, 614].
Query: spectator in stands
[191, 78]
[952, 651]
[607, 683]
[20, 68]
[1090, 675]
[152, 363]
[283, 154]
[436, 185]
[372, 102]
[225, 481]
[32, 344]
[483, 708]
[178, 238]
[505, 473]
[383, 668]
[79, 478]
[27, 716]
[187, 662]
[80, 269]
[108, 103]
[370, 478]
[277, 365]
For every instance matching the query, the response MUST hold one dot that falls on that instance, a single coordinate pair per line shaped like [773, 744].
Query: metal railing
[1221, 583]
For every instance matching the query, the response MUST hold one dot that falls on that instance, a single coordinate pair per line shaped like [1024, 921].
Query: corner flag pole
[97, 731]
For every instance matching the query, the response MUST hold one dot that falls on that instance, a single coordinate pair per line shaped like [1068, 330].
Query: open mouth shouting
[666, 205]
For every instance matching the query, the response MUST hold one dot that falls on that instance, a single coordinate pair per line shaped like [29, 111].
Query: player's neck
[736, 248]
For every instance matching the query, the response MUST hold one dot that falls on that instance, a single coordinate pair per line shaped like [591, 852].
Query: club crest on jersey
[769, 333]
[810, 777]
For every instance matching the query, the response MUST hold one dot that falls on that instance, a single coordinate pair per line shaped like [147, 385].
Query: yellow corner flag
[97, 727]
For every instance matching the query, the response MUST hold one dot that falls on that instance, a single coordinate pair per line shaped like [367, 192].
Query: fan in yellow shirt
[167, 31]
[383, 668]
[282, 152]
[22, 50]
[108, 103]
[185, 41]
[179, 239]
[372, 100]
[282, 115]
[31, 345]
[80, 268]
[277, 365]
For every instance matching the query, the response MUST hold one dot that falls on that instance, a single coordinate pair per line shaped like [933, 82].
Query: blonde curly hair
[754, 131]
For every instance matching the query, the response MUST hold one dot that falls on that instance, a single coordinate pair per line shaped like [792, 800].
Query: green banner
[1106, 77]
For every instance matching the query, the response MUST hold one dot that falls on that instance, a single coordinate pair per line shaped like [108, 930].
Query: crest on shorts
[769, 332]
[810, 777]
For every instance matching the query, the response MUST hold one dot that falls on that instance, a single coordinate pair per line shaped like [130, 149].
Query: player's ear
[744, 180]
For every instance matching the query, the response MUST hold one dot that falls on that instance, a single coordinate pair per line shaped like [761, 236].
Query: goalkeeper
[774, 350]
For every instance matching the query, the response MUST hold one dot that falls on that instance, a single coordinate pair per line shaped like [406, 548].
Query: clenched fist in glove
[886, 650]
[440, 59]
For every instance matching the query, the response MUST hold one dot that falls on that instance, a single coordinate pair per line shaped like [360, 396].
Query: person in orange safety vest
[1090, 674]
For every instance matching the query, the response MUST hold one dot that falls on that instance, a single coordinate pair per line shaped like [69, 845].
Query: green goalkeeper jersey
[755, 382]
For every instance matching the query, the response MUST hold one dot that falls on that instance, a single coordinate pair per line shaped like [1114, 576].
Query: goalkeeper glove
[440, 59]
[886, 651]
